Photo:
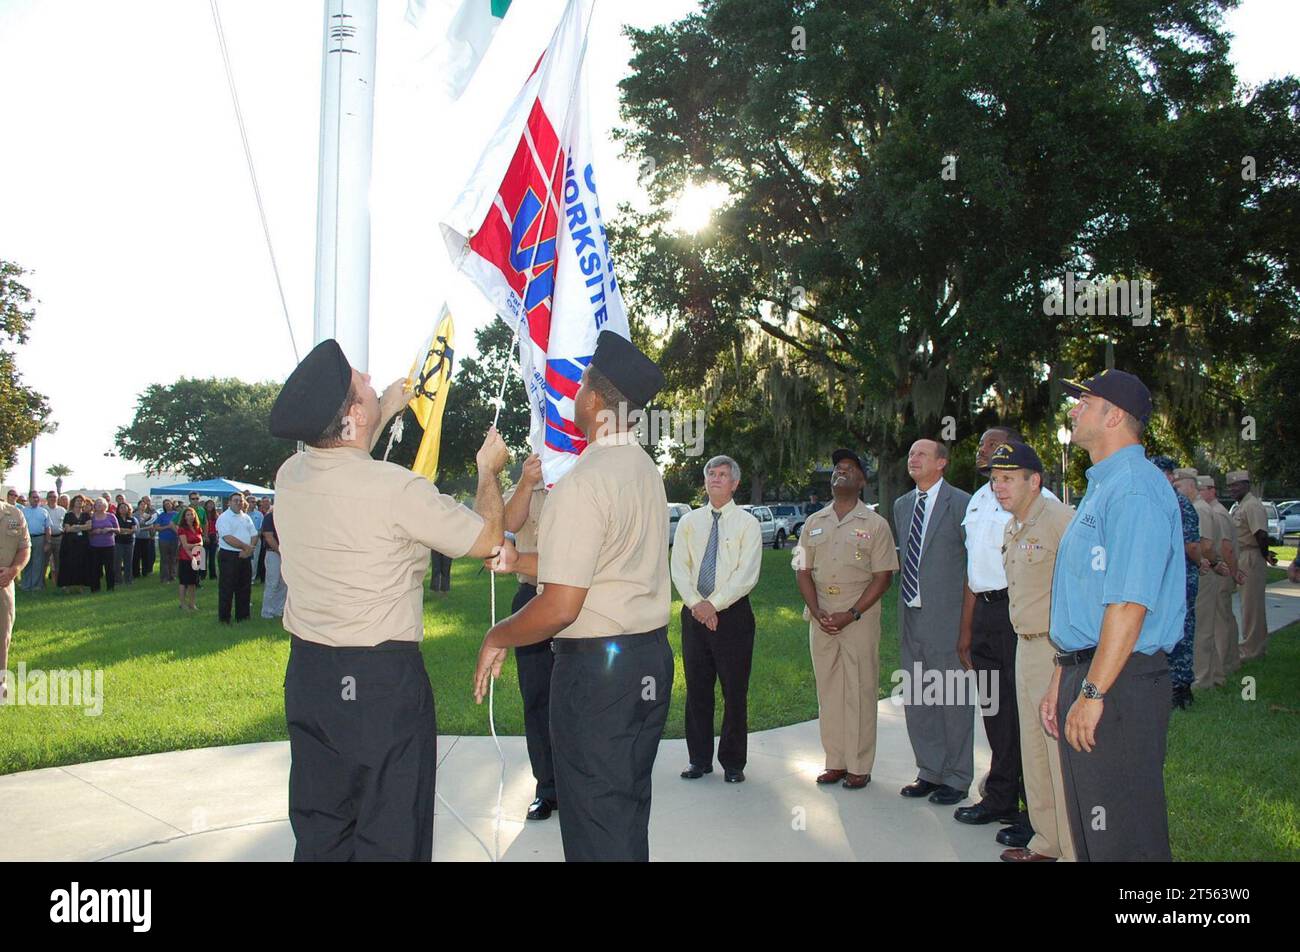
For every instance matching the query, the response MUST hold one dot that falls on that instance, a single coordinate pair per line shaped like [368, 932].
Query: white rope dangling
[395, 433]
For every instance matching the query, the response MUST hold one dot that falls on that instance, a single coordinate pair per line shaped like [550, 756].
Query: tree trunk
[756, 489]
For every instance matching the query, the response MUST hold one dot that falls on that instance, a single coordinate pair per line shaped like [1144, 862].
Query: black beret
[848, 454]
[635, 375]
[313, 394]
[1016, 456]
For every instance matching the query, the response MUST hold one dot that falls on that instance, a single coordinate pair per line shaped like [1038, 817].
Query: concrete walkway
[230, 803]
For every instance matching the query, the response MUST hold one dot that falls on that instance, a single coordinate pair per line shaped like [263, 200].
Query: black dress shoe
[734, 776]
[1016, 837]
[541, 809]
[981, 813]
[919, 788]
[693, 772]
[947, 796]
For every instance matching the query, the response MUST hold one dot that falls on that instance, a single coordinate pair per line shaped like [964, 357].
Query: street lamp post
[1063, 435]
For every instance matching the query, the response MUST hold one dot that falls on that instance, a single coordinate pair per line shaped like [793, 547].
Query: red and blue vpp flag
[527, 230]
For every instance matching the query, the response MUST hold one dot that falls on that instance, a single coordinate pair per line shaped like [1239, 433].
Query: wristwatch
[857, 615]
[1091, 692]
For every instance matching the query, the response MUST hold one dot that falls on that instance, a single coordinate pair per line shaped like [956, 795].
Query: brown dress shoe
[1025, 856]
[856, 781]
[831, 776]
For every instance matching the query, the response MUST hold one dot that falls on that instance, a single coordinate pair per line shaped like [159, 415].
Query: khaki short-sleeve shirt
[1248, 517]
[526, 537]
[844, 555]
[13, 533]
[1209, 526]
[1029, 556]
[355, 574]
[605, 528]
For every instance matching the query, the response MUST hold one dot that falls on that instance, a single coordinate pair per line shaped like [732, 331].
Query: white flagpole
[342, 308]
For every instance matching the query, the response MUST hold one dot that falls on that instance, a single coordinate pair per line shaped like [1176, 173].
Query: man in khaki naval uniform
[357, 699]
[533, 663]
[602, 564]
[1207, 655]
[1250, 522]
[844, 565]
[15, 550]
[1226, 631]
[1031, 539]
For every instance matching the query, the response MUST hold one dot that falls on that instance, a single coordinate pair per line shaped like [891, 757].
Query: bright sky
[123, 187]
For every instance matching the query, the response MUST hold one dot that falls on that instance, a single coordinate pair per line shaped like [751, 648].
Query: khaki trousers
[1039, 753]
[1207, 652]
[6, 623]
[1225, 628]
[847, 668]
[1254, 624]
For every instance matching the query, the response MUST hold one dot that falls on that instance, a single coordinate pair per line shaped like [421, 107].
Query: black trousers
[609, 704]
[211, 550]
[142, 559]
[725, 655]
[363, 746]
[260, 575]
[101, 561]
[1115, 795]
[235, 584]
[441, 565]
[535, 663]
[993, 656]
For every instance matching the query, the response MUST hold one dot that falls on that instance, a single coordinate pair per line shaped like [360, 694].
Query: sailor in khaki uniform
[1031, 539]
[15, 550]
[1227, 632]
[602, 567]
[533, 662]
[1207, 655]
[844, 565]
[1250, 522]
[357, 699]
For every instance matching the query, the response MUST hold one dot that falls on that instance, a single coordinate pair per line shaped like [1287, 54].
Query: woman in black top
[125, 542]
[74, 547]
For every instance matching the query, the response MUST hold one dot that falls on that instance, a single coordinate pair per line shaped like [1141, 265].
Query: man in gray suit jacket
[932, 552]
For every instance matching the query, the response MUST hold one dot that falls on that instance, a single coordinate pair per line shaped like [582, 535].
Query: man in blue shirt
[1117, 611]
[39, 528]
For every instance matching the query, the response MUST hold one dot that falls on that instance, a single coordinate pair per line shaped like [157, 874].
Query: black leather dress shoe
[733, 776]
[919, 788]
[693, 772]
[981, 813]
[1016, 837]
[542, 808]
[947, 796]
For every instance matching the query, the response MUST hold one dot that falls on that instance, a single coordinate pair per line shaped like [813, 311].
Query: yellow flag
[430, 378]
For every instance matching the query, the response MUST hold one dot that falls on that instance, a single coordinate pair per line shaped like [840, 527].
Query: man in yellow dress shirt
[844, 564]
[715, 561]
[602, 570]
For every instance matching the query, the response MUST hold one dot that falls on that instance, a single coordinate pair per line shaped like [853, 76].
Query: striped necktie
[912, 567]
[709, 567]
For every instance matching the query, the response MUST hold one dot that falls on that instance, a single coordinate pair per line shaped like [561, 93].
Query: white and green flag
[456, 55]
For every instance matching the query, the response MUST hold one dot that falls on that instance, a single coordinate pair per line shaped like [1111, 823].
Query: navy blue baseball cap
[850, 455]
[1016, 456]
[1122, 389]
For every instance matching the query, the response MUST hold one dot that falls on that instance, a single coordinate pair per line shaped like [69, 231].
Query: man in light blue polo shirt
[1117, 610]
[39, 528]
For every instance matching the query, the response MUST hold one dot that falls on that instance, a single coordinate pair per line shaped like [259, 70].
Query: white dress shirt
[985, 524]
[236, 524]
[931, 495]
[740, 553]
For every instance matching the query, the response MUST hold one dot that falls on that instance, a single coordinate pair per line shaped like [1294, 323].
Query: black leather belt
[997, 595]
[1066, 659]
[611, 642]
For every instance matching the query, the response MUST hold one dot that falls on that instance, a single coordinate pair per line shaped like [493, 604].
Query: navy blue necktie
[912, 567]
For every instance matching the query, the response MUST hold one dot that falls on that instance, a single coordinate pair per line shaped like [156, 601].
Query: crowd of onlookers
[86, 543]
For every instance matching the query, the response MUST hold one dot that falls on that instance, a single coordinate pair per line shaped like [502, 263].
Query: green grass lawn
[174, 681]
